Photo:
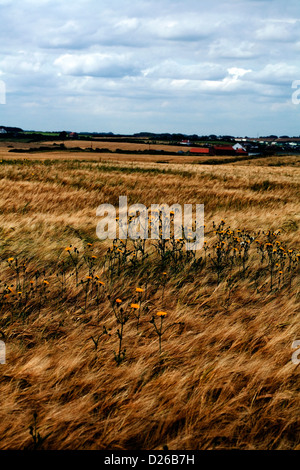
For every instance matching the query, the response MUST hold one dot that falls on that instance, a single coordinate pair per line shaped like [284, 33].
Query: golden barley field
[128, 345]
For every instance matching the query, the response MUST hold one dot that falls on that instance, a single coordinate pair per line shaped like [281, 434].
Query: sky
[188, 66]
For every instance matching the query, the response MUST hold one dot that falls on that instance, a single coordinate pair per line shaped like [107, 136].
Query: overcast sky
[190, 66]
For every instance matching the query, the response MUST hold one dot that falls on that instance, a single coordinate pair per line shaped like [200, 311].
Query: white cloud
[231, 48]
[96, 64]
[279, 30]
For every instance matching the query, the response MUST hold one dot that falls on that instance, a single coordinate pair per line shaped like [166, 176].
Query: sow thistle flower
[119, 301]
[161, 314]
[135, 306]
[139, 289]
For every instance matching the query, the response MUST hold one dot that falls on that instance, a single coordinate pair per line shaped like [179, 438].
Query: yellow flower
[89, 244]
[161, 314]
[68, 248]
[10, 259]
[135, 306]
[139, 289]
[89, 277]
[94, 257]
[46, 282]
[119, 301]
[101, 283]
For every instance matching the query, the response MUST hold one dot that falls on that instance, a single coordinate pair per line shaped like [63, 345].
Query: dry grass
[224, 378]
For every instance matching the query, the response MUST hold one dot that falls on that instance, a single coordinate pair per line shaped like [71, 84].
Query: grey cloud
[149, 54]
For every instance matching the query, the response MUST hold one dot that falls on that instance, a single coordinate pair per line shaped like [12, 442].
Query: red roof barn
[201, 150]
[224, 150]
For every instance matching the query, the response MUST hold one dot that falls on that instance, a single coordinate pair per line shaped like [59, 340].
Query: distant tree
[62, 135]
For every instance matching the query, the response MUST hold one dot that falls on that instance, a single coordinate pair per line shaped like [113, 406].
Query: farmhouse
[73, 135]
[238, 147]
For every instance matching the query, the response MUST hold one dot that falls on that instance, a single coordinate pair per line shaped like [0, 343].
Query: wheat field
[121, 346]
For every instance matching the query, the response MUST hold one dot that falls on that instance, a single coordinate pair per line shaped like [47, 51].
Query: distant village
[247, 146]
[210, 145]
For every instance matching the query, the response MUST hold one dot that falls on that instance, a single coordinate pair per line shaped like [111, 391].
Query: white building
[239, 147]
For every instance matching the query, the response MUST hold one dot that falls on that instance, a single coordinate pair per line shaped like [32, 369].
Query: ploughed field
[141, 345]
